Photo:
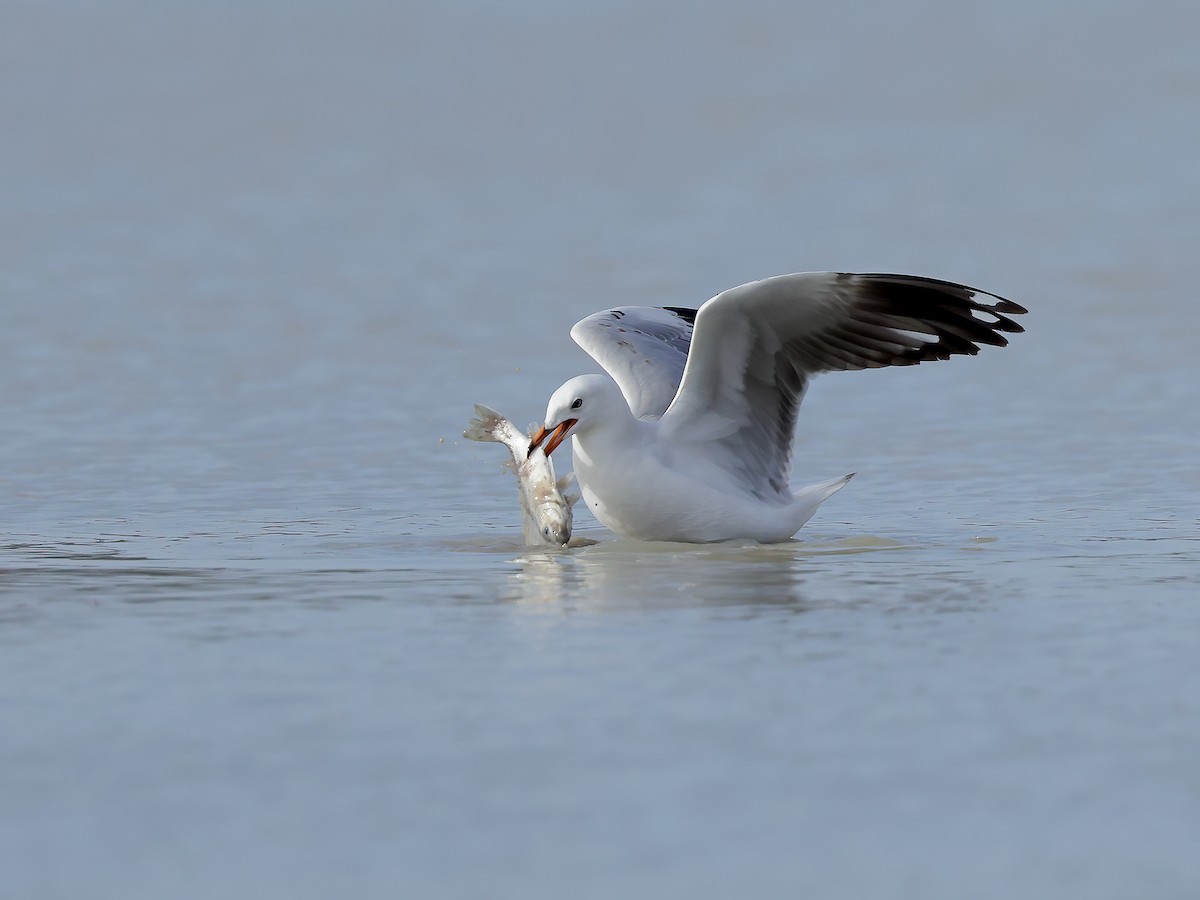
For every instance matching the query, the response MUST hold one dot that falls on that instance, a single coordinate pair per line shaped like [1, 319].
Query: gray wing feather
[643, 348]
[756, 346]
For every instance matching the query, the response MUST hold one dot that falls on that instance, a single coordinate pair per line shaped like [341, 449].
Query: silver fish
[546, 508]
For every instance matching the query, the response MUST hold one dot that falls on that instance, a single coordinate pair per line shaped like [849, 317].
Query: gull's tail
[825, 489]
[806, 500]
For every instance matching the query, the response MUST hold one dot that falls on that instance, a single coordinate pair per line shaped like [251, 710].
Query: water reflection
[623, 575]
[616, 575]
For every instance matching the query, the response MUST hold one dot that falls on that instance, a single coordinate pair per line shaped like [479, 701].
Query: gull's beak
[536, 440]
[556, 436]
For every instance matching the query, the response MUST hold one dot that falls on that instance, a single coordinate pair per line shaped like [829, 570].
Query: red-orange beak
[556, 436]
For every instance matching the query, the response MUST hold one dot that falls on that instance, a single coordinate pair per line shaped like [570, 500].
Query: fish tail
[484, 427]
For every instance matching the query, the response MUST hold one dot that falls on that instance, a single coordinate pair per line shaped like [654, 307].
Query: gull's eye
[578, 402]
[546, 531]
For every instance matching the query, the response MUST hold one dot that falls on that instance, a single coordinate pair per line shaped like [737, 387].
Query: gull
[690, 439]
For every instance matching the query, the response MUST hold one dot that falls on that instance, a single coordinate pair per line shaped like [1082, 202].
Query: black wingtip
[684, 312]
[959, 319]
[1007, 306]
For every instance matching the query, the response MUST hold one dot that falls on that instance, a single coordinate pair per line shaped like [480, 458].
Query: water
[266, 626]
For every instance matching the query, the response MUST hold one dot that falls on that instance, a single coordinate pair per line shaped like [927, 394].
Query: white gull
[691, 437]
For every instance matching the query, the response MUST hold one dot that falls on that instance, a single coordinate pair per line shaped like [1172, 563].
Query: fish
[545, 501]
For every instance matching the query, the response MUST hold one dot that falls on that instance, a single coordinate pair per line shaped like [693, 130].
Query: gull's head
[576, 407]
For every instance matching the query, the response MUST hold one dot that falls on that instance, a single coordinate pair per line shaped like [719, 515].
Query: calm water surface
[266, 625]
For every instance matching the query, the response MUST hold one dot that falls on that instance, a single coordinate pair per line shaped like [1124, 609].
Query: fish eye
[578, 402]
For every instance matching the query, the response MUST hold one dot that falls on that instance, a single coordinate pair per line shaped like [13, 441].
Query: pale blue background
[262, 634]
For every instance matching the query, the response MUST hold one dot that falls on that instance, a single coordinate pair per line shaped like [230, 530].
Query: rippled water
[266, 624]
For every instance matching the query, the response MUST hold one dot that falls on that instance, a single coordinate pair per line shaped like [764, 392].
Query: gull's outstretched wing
[756, 345]
[643, 348]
